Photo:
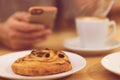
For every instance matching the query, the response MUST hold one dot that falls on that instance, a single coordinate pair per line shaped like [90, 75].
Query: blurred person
[17, 33]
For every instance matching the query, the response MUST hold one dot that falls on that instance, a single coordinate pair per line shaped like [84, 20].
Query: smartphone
[44, 15]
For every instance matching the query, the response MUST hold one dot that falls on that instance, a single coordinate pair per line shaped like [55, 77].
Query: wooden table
[93, 69]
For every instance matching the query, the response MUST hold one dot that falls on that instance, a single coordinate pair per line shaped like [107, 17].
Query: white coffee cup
[94, 31]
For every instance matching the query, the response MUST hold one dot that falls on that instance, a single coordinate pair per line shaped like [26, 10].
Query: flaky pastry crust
[42, 62]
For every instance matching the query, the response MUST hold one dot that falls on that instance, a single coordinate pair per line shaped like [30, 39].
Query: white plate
[78, 62]
[111, 62]
[74, 45]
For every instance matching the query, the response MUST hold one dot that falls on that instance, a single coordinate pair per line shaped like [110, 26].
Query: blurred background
[115, 12]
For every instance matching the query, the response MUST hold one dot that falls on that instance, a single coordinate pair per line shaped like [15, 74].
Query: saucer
[111, 62]
[74, 45]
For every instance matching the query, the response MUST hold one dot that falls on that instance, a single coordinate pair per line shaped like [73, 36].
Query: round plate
[77, 61]
[111, 62]
[74, 45]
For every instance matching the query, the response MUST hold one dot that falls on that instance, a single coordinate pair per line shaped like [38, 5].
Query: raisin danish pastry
[42, 62]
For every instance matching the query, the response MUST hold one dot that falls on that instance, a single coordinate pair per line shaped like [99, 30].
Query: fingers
[27, 27]
[17, 44]
[29, 35]
[24, 43]
[21, 16]
[26, 39]
[19, 23]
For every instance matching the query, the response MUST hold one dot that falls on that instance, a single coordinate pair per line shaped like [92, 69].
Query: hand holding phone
[44, 15]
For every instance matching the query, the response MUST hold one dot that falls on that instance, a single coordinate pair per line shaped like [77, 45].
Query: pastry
[42, 62]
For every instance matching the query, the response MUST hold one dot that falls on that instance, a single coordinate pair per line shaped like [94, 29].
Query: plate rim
[47, 76]
[107, 68]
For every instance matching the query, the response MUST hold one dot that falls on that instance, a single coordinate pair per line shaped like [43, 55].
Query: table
[93, 69]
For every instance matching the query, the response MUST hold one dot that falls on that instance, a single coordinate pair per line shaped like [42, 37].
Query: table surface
[93, 69]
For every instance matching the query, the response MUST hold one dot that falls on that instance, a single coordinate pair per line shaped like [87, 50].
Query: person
[15, 30]
[17, 33]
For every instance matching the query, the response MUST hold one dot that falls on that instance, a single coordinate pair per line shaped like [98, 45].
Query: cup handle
[112, 24]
